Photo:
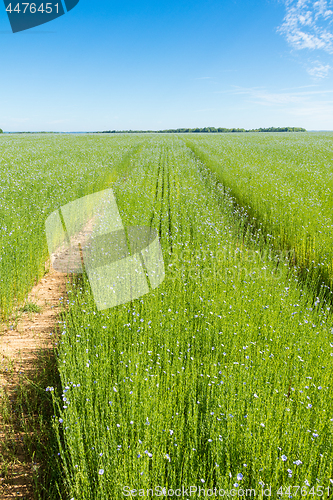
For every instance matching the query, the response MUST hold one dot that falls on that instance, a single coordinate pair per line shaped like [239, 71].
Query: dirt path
[20, 344]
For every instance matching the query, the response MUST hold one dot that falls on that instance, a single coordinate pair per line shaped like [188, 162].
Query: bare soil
[22, 339]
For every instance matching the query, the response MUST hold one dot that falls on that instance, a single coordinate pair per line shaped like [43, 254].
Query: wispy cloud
[308, 24]
[319, 112]
[17, 121]
[260, 95]
[319, 70]
[299, 87]
[56, 122]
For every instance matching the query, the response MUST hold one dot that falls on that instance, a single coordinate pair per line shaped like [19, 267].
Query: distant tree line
[41, 132]
[182, 131]
[205, 129]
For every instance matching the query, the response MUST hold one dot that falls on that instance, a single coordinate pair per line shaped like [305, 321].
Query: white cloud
[263, 97]
[17, 120]
[308, 24]
[267, 98]
[320, 113]
[319, 70]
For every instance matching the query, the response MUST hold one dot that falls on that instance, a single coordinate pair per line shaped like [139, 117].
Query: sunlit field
[39, 174]
[285, 183]
[220, 378]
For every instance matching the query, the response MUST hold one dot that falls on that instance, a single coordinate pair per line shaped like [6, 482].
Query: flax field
[220, 379]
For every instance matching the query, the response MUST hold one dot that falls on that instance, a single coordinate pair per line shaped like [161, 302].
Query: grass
[39, 174]
[31, 307]
[284, 185]
[222, 375]
[29, 447]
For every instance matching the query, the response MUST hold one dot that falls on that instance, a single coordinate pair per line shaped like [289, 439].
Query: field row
[284, 182]
[39, 174]
[221, 376]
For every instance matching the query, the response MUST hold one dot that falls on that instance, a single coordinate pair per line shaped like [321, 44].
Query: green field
[220, 377]
[285, 184]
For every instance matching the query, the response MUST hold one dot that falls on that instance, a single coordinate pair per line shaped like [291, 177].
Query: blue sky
[167, 64]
